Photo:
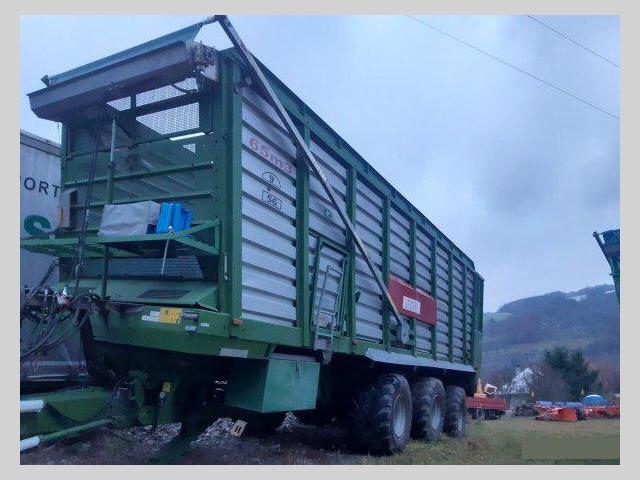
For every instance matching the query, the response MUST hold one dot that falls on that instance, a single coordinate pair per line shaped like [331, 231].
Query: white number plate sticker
[411, 305]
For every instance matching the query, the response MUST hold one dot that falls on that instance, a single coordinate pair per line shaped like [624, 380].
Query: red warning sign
[413, 302]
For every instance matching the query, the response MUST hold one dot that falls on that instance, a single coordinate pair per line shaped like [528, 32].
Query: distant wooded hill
[521, 331]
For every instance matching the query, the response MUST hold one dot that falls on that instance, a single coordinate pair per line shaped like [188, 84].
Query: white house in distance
[519, 384]
[518, 391]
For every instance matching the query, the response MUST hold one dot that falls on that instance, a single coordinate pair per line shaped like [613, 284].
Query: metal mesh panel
[166, 92]
[186, 267]
[120, 104]
[173, 120]
[162, 293]
[162, 154]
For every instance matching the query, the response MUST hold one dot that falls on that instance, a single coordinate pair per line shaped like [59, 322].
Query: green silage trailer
[609, 243]
[267, 303]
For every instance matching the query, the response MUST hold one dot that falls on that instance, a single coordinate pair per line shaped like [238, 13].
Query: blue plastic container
[165, 218]
[173, 215]
[178, 217]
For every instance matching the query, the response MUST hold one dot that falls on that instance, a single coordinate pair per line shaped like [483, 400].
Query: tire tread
[456, 408]
[371, 415]
[423, 391]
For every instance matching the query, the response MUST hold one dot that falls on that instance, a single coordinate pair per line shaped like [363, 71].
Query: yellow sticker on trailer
[170, 315]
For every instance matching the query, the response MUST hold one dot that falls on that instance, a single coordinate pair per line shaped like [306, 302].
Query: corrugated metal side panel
[458, 314]
[442, 296]
[268, 215]
[424, 251]
[400, 245]
[369, 218]
[423, 337]
[470, 296]
[400, 248]
[323, 217]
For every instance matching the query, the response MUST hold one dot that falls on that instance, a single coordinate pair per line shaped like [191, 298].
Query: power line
[535, 77]
[557, 32]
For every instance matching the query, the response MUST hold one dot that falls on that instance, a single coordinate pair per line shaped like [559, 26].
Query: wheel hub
[460, 423]
[436, 413]
[400, 416]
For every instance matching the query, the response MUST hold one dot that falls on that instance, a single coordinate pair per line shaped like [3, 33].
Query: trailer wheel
[455, 418]
[380, 416]
[480, 415]
[428, 398]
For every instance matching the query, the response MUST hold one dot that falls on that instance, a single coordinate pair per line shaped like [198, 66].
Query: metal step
[323, 334]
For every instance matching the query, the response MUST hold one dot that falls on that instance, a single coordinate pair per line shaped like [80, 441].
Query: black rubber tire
[260, 424]
[428, 397]
[480, 414]
[374, 427]
[455, 417]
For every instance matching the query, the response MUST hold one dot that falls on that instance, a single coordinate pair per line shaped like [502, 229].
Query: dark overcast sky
[517, 174]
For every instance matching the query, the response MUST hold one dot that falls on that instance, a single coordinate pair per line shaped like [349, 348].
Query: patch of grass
[500, 442]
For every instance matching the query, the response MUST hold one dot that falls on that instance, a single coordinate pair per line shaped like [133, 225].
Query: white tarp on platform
[128, 218]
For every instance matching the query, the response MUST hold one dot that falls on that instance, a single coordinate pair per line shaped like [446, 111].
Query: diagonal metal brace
[226, 25]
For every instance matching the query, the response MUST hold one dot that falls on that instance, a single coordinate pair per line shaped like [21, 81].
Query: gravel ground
[292, 443]
[488, 442]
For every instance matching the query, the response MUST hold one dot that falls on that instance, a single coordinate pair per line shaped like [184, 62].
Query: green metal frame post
[351, 259]
[451, 320]
[412, 278]
[476, 332]
[110, 172]
[232, 251]
[386, 259]
[302, 242]
[465, 353]
[434, 291]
